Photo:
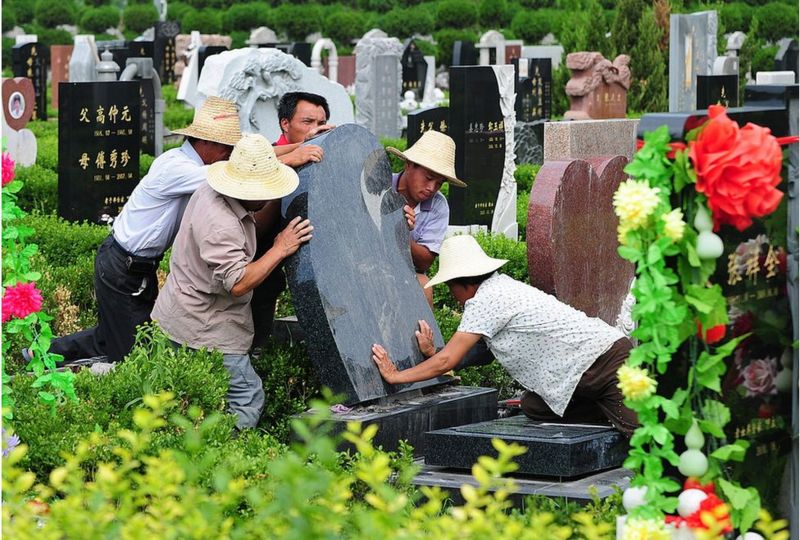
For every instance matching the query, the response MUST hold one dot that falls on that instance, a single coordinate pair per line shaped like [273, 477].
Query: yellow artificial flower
[674, 224]
[635, 383]
[645, 529]
[634, 202]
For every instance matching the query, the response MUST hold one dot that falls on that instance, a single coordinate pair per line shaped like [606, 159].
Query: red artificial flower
[712, 510]
[21, 300]
[712, 335]
[693, 482]
[8, 169]
[737, 169]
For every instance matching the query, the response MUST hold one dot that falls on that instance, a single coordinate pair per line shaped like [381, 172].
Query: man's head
[463, 266]
[253, 175]
[429, 163]
[214, 130]
[300, 113]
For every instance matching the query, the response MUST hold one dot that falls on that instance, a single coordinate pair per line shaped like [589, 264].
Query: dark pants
[125, 299]
[265, 296]
[596, 398]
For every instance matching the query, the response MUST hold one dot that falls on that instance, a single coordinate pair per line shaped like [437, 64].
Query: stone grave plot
[378, 85]
[692, 51]
[598, 88]
[18, 103]
[422, 120]
[59, 69]
[31, 60]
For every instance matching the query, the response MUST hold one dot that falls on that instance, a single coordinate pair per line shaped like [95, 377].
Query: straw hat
[253, 173]
[435, 151]
[461, 256]
[217, 120]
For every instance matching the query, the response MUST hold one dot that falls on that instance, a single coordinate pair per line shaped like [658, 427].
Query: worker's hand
[385, 365]
[425, 339]
[313, 132]
[296, 233]
[307, 153]
[411, 218]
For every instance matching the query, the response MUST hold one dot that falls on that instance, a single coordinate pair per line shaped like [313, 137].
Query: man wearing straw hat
[429, 163]
[125, 266]
[213, 271]
[565, 360]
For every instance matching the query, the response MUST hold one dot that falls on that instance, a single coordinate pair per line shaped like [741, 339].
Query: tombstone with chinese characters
[59, 69]
[256, 79]
[99, 142]
[415, 70]
[534, 80]
[758, 274]
[692, 51]
[482, 119]
[31, 60]
[422, 120]
[598, 88]
[164, 52]
[346, 302]
[722, 87]
[18, 103]
[378, 84]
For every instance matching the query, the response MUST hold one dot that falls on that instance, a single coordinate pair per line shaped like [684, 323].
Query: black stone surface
[717, 90]
[31, 60]
[422, 120]
[415, 69]
[354, 284]
[98, 151]
[559, 450]
[680, 123]
[478, 128]
[204, 52]
[577, 490]
[464, 54]
[534, 88]
[164, 52]
[786, 57]
[410, 418]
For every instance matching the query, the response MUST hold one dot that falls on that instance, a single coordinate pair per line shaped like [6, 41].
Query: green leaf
[736, 495]
[731, 452]
[47, 397]
[628, 253]
[711, 428]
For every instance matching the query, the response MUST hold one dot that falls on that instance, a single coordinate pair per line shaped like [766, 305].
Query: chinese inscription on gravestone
[415, 69]
[534, 81]
[98, 148]
[30, 60]
[692, 51]
[422, 120]
[164, 52]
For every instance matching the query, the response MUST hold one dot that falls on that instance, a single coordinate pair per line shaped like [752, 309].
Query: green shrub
[206, 21]
[298, 21]
[51, 13]
[381, 6]
[139, 18]
[49, 36]
[40, 190]
[176, 10]
[404, 23]
[494, 13]
[24, 10]
[522, 213]
[777, 21]
[343, 26]
[395, 162]
[47, 151]
[456, 14]
[145, 161]
[492, 376]
[525, 175]
[8, 43]
[98, 20]
[736, 16]
[61, 242]
[245, 17]
[764, 58]
[9, 20]
[178, 116]
[501, 247]
[445, 40]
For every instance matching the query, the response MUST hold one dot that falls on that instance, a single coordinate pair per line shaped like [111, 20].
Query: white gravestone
[692, 51]
[333, 58]
[187, 91]
[429, 95]
[491, 41]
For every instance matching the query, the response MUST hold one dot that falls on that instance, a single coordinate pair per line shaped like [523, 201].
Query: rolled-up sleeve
[223, 250]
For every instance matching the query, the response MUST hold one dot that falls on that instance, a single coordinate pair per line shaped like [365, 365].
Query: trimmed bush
[381, 6]
[176, 11]
[145, 161]
[777, 21]
[298, 21]
[206, 21]
[40, 190]
[445, 40]
[532, 26]
[494, 13]
[525, 175]
[456, 14]
[736, 16]
[61, 242]
[404, 23]
[344, 26]
[9, 20]
[24, 10]
[139, 18]
[51, 13]
[764, 58]
[245, 17]
[98, 20]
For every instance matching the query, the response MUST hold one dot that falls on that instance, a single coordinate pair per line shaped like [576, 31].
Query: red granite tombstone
[572, 235]
[59, 69]
[18, 101]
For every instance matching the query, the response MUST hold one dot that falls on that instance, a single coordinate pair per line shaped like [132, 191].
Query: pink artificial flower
[21, 300]
[8, 169]
[759, 377]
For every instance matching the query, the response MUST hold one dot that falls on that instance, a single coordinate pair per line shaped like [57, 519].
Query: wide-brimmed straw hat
[253, 173]
[435, 151]
[217, 120]
[461, 256]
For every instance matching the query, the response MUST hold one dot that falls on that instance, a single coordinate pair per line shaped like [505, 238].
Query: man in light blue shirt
[125, 266]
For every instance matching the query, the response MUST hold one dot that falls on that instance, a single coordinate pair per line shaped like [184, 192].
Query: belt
[116, 245]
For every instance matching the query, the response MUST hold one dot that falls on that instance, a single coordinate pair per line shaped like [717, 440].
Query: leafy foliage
[139, 17]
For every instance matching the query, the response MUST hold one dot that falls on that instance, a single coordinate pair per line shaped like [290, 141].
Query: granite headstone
[59, 69]
[422, 120]
[415, 70]
[98, 148]
[717, 90]
[378, 84]
[534, 88]
[692, 51]
[786, 57]
[598, 88]
[31, 60]
[354, 283]
[464, 54]
[164, 51]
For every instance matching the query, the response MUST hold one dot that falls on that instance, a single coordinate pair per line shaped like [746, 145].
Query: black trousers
[125, 299]
[265, 296]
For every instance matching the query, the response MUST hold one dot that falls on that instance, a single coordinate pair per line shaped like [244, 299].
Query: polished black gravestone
[786, 57]
[415, 69]
[464, 54]
[164, 52]
[353, 284]
[554, 450]
[477, 126]
[679, 124]
[31, 60]
[717, 90]
[98, 148]
[422, 120]
[534, 88]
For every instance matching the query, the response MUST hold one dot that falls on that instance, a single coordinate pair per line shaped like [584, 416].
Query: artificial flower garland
[727, 175]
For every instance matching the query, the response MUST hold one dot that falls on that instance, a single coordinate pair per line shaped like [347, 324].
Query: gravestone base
[409, 416]
[554, 450]
[580, 490]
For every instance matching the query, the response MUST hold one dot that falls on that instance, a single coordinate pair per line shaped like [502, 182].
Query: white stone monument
[187, 90]
[378, 83]
[491, 40]
[333, 58]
